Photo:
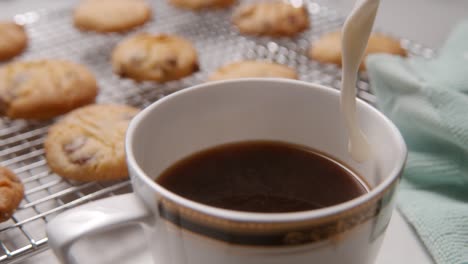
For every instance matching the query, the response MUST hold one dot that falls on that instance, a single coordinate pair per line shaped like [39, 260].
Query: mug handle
[101, 215]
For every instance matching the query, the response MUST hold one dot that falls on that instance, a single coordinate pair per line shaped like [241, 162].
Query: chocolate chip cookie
[44, 89]
[13, 40]
[199, 4]
[160, 58]
[11, 193]
[88, 143]
[111, 15]
[271, 19]
[328, 48]
[250, 69]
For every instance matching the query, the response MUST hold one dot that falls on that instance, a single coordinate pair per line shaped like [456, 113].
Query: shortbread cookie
[251, 69]
[11, 193]
[328, 48]
[111, 15]
[271, 19]
[200, 4]
[13, 40]
[88, 143]
[44, 89]
[160, 58]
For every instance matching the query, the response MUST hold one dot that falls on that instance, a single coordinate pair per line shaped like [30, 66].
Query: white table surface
[425, 21]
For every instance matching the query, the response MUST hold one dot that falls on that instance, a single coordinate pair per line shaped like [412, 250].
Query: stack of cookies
[87, 143]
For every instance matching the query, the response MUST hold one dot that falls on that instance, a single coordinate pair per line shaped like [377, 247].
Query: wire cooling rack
[53, 36]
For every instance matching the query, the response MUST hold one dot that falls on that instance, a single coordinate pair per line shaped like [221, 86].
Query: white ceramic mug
[185, 232]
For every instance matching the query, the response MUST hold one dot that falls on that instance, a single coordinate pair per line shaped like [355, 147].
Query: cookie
[271, 19]
[200, 4]
[44, 89]
[13, 40]
[111, 15]
[11, 193]
[328, 48]
[88, 143]
[251, 69]
[160, 58]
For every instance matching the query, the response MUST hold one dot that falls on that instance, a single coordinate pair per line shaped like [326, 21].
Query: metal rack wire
[52, 36]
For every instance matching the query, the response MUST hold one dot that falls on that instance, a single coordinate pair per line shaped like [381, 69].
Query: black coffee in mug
[264, 177]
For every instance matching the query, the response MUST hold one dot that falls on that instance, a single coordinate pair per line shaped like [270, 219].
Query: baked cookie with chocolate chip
[111, 15]
[88, 143]
[11, 193]
[44, 89]
[273, 18]
[160, 58]
[200, 4]
[250, 69]
[13, 40]
[327, 49]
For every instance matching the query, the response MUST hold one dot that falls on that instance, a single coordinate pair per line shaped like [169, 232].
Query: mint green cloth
[428, 101]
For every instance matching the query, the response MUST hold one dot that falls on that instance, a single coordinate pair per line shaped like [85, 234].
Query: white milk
[355, 36]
